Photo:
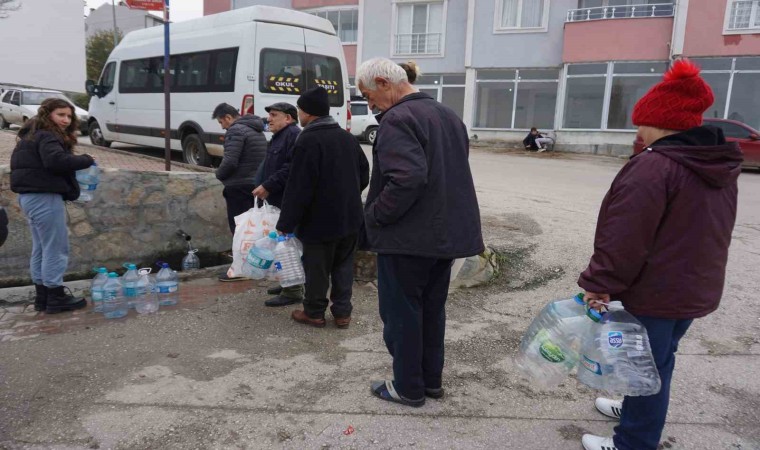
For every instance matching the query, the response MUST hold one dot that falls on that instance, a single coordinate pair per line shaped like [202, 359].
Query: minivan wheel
[4, 124]
[371, 135]
[96, 135]
[194, 151]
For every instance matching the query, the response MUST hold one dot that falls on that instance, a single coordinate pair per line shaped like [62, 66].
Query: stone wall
[134, 217]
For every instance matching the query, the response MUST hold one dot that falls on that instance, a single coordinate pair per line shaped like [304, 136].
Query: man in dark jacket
[421, 214]
[244, 150]
[662, 238]
[323, 206]
[273, 176]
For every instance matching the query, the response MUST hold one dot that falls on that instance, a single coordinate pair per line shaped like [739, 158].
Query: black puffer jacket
[43, 165]
[244, 150]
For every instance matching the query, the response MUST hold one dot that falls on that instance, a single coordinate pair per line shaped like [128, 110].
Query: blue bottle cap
[102, 270]
[130, 266]
[579, 298]
[282, 239]
[273, 234]
[113, 275]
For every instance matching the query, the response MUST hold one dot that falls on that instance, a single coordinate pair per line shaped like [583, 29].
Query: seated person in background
[536, 141]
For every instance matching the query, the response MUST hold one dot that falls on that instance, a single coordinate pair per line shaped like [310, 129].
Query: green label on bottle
[551, 352]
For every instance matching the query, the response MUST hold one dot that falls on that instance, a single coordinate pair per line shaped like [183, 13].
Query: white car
[17, 105]
[363, 122]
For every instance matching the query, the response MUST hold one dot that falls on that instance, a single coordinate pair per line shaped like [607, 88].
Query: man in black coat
[323, 206]
[421, 214]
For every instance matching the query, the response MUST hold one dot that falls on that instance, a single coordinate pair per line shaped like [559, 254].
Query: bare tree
[8, 5]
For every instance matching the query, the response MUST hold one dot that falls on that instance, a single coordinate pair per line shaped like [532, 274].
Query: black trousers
[326, 263]
[239, 200]
[412, 292]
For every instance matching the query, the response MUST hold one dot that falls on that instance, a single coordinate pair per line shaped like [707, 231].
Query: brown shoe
[343, 322]
[301, 317]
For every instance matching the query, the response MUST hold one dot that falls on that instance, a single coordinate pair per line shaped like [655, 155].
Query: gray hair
[382, 68]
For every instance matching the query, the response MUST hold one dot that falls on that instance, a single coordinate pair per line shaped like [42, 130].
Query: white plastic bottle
[88, 180]
[260, 257]
[97, 291]
[130, 284]
[147, 300]
[191, 260]
[288, 263]
[114, 303]
[167, 285]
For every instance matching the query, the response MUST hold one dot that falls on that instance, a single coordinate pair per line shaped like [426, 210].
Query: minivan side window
[325, 71]
[107, 78]
[281, 72]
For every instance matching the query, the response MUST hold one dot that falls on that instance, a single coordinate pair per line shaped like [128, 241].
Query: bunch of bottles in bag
[276, 257]
[137, 289]
[609, 349]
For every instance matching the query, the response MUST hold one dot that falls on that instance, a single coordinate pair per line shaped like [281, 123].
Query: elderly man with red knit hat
[662, 238]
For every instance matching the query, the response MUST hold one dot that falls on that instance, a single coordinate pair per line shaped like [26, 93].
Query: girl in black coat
[43, 168]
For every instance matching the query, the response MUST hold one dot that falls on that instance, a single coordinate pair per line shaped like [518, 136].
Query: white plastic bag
[251, 226]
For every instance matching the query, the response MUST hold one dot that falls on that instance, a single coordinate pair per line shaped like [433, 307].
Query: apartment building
[573, 67]
[127, 19]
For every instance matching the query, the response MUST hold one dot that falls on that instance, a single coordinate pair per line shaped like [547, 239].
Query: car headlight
[83, 118]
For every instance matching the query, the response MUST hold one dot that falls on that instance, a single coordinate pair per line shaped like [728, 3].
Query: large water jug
[617, 358]
[147, 298]
[167, 285]
[88, 180]
[130, 284]
[114, 303]
[288, 262]
[549, 349]
[260, 257]
[299, 244]
[191, 261]
[97, 290]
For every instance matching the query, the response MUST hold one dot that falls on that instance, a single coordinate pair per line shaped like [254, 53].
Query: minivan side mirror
[90, 87]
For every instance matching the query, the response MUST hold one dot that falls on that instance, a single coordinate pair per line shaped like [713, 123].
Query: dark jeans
[413, 292]
[239, 200]
[643, 418]
[324, 263]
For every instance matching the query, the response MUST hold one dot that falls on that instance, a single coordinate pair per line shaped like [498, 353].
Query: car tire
[371, 135]
[194, 151]
[96, 135]
[4, 124]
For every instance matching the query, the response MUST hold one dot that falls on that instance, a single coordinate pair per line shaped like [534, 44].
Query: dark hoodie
[244, 150]
[665, 226]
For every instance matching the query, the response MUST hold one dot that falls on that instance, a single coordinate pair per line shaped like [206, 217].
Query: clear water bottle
[299, 244]
[147, 299]
[191, 261]
[167, 286]
[549, 349]
[288, 262]
[88, 180]
[97, 290]
[114, 303]
[260, 257]
[129, 282]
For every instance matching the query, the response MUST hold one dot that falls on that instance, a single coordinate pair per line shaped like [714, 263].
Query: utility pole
[115, 30]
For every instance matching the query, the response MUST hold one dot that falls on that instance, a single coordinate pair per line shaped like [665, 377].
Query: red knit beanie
[677, 102]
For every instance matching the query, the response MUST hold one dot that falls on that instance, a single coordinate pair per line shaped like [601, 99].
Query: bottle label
[551, 352]
[258, 262]
[130, 292]
[278, 266]
[591, 365]
[167, 289]
[615, 339]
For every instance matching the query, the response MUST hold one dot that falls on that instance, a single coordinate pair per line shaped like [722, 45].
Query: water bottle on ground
[97, 290]
[260, 257]
[288, 262]
[114, 303]
[191, 261]
[147, 300]
[167, 285]
[130, 281]
[88, 181]
[549, 349]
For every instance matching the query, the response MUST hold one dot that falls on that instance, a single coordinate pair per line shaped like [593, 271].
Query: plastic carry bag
[251, 226]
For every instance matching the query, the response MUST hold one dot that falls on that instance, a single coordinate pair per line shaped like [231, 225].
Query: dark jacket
[422, 198]
[244, 150]
[43, 165]
[323, 195]
[276, 166]
[3, 225]
[665, 226]
[530, 141]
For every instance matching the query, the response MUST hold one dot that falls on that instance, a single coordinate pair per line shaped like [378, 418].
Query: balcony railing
[418, 44]
[621, 12]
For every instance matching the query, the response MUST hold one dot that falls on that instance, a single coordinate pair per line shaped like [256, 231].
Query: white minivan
[250, 57]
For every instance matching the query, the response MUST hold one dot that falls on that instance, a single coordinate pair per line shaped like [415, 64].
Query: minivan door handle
[111, 103]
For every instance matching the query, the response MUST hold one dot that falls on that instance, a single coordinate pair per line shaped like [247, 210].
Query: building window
[419, 28]
[516, 99]
[742, 15]
[521, 15]
[630, 81]
[345, 22]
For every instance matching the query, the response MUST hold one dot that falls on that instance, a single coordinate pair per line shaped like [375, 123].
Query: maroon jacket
[665, 226]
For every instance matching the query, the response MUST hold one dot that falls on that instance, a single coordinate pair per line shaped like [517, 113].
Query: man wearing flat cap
[323, 206]
[273, 176]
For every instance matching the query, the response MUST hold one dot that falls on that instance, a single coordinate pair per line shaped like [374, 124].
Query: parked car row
[17, 105]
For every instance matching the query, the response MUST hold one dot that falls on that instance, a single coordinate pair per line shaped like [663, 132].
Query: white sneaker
[609, 407]
[541, 150]
[591, 442]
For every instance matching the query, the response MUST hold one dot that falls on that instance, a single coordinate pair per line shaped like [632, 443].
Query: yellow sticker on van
[283, 84]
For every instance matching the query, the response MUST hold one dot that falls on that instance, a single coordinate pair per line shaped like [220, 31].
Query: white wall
[44, 45]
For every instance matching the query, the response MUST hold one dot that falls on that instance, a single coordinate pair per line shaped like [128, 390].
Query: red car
[747, 137]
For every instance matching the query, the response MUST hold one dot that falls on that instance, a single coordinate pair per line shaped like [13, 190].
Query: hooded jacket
[665, 226]
[244, 150]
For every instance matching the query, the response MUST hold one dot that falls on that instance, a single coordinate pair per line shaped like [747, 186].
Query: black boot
[40, 301]
[275, 290]
[58, 301]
